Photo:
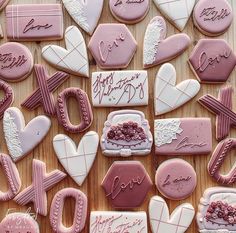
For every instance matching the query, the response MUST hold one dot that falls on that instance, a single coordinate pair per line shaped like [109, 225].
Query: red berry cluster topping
[128, 131]
[220, 210]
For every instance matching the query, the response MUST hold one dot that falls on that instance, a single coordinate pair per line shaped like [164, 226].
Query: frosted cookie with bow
[161, 221]
[157, 48]
[177, 12]
[168, 95]
[85, 13]
[126, 133]
[77, 161]
[73, 59]
[21, 139]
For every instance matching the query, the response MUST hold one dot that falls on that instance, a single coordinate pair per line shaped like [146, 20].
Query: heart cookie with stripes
[76, 161]
[73, 59]
[168, 95]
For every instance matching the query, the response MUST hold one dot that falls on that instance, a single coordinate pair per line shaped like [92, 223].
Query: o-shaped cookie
[57, 211]
[217, 159]
[84, 108]
[13, 178]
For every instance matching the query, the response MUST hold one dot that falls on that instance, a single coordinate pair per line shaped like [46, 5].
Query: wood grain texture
[91, 187]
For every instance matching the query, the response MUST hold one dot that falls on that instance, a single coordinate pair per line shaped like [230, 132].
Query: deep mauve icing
[34, 22]
[179, 136]
[213, 17]
[16, 62]
[124, 181]
[212, 60]
[176, 179]
[129, 11]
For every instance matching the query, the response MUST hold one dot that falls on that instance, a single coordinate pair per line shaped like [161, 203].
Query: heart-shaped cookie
[85, 13]
[73, 59]
[157, 48]
[168, 96]
[161, 221]
[177, 11]
[19, 223]
[77, 161]
[20, 138]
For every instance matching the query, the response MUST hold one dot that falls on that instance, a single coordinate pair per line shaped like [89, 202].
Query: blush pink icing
[213, 17]
[129, 11]
[16, 62]
[176, 179]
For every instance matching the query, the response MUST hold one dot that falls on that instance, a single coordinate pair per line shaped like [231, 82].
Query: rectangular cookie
[34, 22]
[119, 88]
[180, 136]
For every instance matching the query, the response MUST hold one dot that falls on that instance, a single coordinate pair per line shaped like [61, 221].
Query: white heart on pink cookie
[20, 138]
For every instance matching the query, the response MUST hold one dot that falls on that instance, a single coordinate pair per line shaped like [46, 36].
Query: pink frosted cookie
[16, 62]
[212, 60]
[112, 46]
[41, 183]
[19, 223]
[157, 48]
[124, 181]
[129, 11]
[216, 211]
[21, 139]
[217, 159]
[126, 133]
[34, 22]
[179, 136]
[211, 17]
[176, 179]
[80, 214]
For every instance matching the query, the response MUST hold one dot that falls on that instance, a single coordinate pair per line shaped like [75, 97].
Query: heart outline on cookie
[21, 139]
[72, 59]
[157, 48]
[85, 13]
[82, 156]
[161, 221]
[177, 12]
[166, 90]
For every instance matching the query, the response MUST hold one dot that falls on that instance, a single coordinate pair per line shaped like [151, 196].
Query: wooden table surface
[91, 187]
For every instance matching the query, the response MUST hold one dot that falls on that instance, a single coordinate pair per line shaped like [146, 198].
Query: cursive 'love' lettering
[30, 26]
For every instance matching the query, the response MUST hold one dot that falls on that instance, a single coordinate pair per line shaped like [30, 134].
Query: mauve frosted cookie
[124, 181]
[179, 136]
[34, 22]
[112, 46]
[213, 18]
[16, 62]
[176, 179]
[217, 211]
[129, 11]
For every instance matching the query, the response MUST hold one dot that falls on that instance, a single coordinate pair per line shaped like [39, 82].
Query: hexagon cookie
[212, 60]
[112, 46]
[124, 181]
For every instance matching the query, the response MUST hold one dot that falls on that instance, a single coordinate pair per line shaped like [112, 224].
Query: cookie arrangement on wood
[126, 133]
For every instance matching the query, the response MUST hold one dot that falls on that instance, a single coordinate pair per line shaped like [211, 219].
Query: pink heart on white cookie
[168, 95]
[161, 221]
[77, 161]
[20, 138]
[157, 48]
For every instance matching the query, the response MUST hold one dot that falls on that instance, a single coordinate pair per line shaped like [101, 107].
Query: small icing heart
[168, 96]
[177, 11]
[161, 221]
[73, 59]
[77, 161]
[157, 48]
[20, 138]
[85, 13]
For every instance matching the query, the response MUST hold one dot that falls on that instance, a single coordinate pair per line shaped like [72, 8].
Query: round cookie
[129, 11]
[212, 17]
[176, 179]
[16, 62]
